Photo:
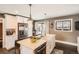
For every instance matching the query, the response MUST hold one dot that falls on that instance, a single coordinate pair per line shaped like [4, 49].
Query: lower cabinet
[25, 50]
[41, 49]
[10, 42]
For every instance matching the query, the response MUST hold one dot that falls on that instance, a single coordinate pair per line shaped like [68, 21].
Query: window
[63, 25]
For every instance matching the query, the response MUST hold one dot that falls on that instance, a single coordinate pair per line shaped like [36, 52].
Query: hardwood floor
[68, 49]
[4, 51]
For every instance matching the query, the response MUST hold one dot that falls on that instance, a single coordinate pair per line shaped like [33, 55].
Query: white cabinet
[21, 19]
[25, 20]
[30, 28]
[10, 42]
[10, 22]
[25, 50]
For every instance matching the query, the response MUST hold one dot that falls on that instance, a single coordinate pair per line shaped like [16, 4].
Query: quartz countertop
[27, 43]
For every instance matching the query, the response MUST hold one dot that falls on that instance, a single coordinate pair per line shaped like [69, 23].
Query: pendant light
[30, 17]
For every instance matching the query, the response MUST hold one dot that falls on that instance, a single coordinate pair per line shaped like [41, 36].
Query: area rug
[58, 51]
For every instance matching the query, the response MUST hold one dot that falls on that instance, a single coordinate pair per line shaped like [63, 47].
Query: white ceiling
[38, 10]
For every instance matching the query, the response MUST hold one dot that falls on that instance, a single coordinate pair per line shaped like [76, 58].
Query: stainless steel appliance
[22, 30]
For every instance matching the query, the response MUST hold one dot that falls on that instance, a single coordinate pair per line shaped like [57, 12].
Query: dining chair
[50, 44]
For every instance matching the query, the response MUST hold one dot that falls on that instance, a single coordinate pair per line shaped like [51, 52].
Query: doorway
[40, 29]
[1, 34]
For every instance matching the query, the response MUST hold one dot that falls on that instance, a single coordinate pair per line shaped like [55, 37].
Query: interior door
[1, 34]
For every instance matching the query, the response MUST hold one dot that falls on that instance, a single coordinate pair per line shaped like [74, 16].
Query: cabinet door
[10, 42]
[25, 50]
[30, 28]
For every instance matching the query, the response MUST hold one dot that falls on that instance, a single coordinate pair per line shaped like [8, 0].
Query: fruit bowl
[33, 39]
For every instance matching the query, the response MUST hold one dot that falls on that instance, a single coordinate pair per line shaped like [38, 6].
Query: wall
[65, 36]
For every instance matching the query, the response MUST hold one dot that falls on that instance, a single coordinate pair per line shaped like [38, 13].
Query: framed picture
[10, 31]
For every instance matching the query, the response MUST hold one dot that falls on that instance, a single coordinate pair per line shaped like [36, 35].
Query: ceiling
[41, 11]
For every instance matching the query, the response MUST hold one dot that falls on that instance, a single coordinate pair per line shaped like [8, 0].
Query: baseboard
[69, 43]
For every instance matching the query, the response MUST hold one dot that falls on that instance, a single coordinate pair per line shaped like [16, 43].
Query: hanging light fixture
[30, 18]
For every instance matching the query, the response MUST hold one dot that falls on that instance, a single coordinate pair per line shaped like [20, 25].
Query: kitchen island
[27, 47]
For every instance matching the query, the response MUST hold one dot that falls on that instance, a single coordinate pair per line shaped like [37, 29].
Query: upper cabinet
[21, 19]
[29, 24]
[30, 28]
